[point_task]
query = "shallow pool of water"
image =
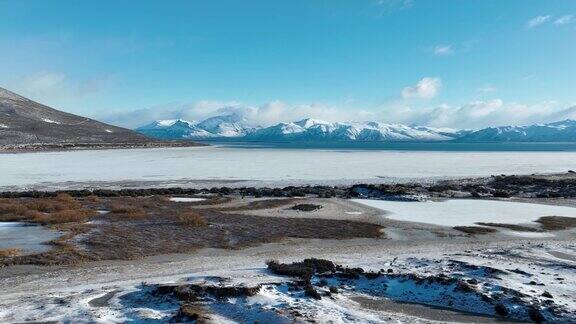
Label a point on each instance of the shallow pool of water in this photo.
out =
(28, 238)
(466, 212)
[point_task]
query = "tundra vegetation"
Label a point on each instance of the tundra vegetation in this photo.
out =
(105, 227)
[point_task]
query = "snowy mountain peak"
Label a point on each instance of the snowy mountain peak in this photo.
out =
(310, 122)
(560, 131)
(236, 126)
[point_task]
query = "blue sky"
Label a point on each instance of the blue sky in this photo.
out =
(443, 63)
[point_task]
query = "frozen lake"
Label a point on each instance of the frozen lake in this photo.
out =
(268, 164)
(466, 212)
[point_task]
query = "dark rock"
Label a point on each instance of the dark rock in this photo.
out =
(501, 310)
(535, 315)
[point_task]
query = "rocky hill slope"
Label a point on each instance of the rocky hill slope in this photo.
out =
(25, 125)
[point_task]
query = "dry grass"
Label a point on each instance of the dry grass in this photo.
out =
(512, 227)
(54, 205)
(64, 197)
(61, 209)
(64, 216)
(93, 199)
(10, 252)
(10, 207)
(556, 223)
(475, 229)
(191, 218)
(131, 212)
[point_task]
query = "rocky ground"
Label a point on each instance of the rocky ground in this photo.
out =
(549, 186)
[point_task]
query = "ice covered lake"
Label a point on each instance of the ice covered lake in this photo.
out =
(28, 238)
(466, 212)
(287, 165)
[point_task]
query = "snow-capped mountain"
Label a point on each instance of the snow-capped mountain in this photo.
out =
(214, 127)
(237, 127)
(234, 126)
(562, 131)
(313, 130)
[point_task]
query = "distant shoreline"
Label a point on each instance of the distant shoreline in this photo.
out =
(89, 146)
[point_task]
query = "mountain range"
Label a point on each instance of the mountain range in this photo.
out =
(236, 127)
(26, 124)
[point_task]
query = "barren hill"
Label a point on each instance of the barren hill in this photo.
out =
(25, 124)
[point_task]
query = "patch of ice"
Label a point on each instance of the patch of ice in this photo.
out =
(3, 126)
(528, 234)
(288, 166)
(466, 212)
(108, 131)
(186, 199)
(354, 213)
(50, 121)
(29, 238)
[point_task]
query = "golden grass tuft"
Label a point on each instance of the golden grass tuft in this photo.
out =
(192, 219)
(9, 252)
(93, 199)
(12, 207)
(54, 205)
(64, 216)
(64, 197)
(131, 212)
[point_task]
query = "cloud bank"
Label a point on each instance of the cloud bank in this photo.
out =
(537, 21)
(426, 88)
(473, 115)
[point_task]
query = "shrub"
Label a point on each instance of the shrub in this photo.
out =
(191, 218)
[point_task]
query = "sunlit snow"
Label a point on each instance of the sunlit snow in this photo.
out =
(466, 212)
(275, 165)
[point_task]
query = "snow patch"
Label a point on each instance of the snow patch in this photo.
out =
(186, 199)
(466, 212)
(50, 121)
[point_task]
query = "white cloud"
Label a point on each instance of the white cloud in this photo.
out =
(426, 88)
(488, 88)
(564, 20)
(264, 115)
(395, 4)
(473, 115)
(443, 50)
(50, 86)
(480, 114)
(537, 21)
